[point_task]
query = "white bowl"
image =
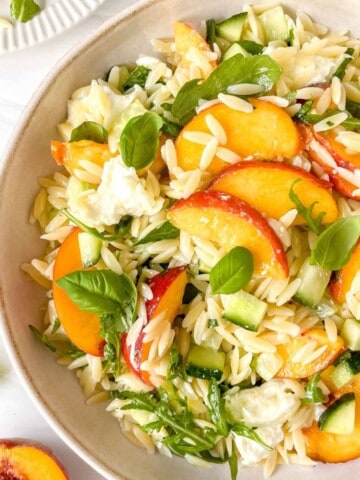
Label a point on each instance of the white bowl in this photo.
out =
(89, 430)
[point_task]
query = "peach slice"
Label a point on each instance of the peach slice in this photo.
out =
(188, 39)
(268, 132)
(24, 460)
(230, 222)
(82, 328)
(266, 185)
(300, 369)
(343, 278)
(331, 447)
(168, 290)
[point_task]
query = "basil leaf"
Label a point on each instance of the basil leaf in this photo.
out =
(170, 128)
(24, 10)
(248, 432)
(314, 223)
(340, 71)
(232, 272)
(89, 131)
(137, 77)
(139, 140)
(259, 69)
(335, 244)
(216, 409)
(165, 231)
(103, 292)
(313, 393)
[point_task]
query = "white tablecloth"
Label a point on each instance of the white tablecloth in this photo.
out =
(20, 74)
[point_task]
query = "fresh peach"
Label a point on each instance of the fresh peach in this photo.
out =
(331, 447)
(27, 460)
(230, 222)
(268, 132)
(168, 289)
(82, 328)
(299, 369)
(343, 278)
(266, 186)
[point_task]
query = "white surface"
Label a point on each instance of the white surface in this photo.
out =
(55, 17)
(20, 74)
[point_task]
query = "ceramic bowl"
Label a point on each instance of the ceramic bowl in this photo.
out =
(91, 432)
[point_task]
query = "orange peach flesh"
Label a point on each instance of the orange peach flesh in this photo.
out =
(344, 277)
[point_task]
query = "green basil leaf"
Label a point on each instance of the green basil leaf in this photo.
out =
(216, 409)
(335, 244)
(248, 432)
(259, 69)
(232, 272)
(313, 393)
(340, 71)
(165, 231)
(314, 223)
(137, 77)
(89, 131)
(170, 128)
(103, 292)
(139, 140)
(24, 10)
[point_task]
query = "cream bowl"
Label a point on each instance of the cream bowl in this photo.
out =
(89, 430)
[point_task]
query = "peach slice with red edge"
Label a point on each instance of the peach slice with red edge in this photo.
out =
(267, 132)
(188, 39)
(27, 460)
(341, 282)
(300, 369)
(331, 447)
(229, 222)
(266, 186)
(168, 290)
(82, 328)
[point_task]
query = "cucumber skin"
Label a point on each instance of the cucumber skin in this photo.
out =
(340, 403)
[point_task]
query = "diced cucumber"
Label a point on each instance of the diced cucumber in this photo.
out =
(90, 249)
(314, 280)
(251, 47)
(234, 49)
(245, 310)
(340, 416)
(275, 24)
(350, 333)
(345, 370)
(231, 28)
(205, 362)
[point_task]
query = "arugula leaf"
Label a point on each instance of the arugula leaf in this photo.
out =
(248, 432)
(56, 326)
(217, 409)
(72, 351)
(335, 244)
(313, 393)
(340, 71)
(89, 131)
(304, 116)
(314, 223)
(139, 140)
(105, 293)
(165, 231)
(176, 365)
(259, 69)
(353, 108)
(24, 10)
(232, 272)
(137, 77)
(234, 466)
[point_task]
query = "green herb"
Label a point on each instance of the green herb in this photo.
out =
(211, 32)
(137, 77)
(340, 71)
(259, 69)
(291, 37)
(314, 223)
(89, 131)
(42, 338)
(165, 231)
(304, 111)
(248, 432)
(121, 228)
(304, 115)
(335, 244)
(170, 128)
(212, 323)
(56, 326)
(24, 10)
(251, 47)
(216, 408)
(176, 365)
(232, 272)
(139, 140)
(72, 351)
(234, 466)
(353, 108)
(313, 393)
(290, 96)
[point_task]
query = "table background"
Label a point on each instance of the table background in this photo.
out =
(20, 74)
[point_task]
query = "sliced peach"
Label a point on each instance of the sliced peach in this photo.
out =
(343, 278)
(82, 328)
(230, 222)
(266, 186)
(268, 132)
(24, 460)
(326, 377)
(301, 369)
(168, 290)
(188, 39)
(331, 447)
(342, 156)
